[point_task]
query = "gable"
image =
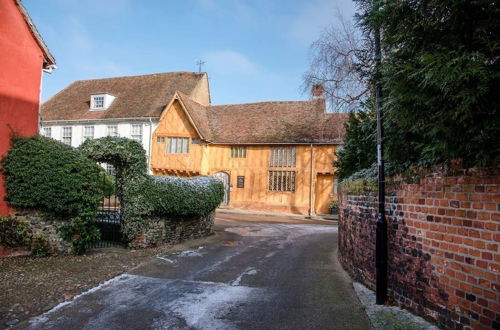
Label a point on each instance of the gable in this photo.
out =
(175, 122)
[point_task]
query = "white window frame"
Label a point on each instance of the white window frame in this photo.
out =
(66, 133)
(47, 131)
(112, 130)
(97, 102)
(87, 136)
(136, 134)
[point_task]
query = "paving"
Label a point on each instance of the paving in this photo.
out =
(255, 273)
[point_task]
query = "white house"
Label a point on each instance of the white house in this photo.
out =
(122, 106)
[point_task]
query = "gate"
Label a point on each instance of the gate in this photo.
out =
(109, 215)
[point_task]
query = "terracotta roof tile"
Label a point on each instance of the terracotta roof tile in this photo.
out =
(136, 96)
(268, 122)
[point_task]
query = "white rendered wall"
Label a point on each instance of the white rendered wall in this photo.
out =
(100, 130)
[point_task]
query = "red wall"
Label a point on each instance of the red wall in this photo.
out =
(444, 246)
(20, 75)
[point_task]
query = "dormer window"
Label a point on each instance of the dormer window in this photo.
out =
(101, 101)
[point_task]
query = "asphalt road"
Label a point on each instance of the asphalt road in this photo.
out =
(255, 273)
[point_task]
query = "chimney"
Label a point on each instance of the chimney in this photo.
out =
(317, 91)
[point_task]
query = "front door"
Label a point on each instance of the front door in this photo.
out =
(224, 177)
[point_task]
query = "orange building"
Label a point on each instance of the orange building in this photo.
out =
(273, 156)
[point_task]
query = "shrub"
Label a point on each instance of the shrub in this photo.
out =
(80, 232)
(14, 233)
(47, 175)
(40, 246)
(173, 196)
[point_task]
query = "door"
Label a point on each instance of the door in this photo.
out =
(224, 177)
(324, 193)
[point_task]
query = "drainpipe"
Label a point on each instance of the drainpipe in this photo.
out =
(311, 184)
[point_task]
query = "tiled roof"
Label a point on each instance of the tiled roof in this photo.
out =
(136, 96)
(267, 122)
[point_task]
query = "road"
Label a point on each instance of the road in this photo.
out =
(255, 273)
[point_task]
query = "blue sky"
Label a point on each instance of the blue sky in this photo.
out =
(255, 50)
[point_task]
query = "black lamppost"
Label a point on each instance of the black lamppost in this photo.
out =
(381, 232)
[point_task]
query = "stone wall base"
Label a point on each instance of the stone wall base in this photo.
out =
(174, 230)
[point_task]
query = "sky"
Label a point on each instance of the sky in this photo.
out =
(254, 50)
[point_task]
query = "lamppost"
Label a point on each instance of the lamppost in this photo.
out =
(381, 232)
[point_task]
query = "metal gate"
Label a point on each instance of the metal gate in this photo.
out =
(109, 215)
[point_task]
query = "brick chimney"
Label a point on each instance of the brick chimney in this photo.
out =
(318, 91)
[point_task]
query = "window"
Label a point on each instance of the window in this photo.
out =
(240, 182)
(97, 102)
(112, 130)
(160, 139)
(282, 157)
(66, 135)
(195, 141)
(110, 169)
(47, 131)
(238, 152)
(88, 132)
(282, 181)
(335, 186)
(136, 132)
(177, 145)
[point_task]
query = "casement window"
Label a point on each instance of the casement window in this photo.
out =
(112, 130)
(282, 181)
(88, 132)
(335, 186)
(238, 152)
(66, 135)
(177, 145)
(47, 131)
(97, 102)
(160, 139)
(283, 157)
(136, 132)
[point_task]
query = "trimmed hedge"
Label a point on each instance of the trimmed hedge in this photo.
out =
(184, 196)
(47, 175)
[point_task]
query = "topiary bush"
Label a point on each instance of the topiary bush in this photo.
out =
(143, 196)
(47, 175)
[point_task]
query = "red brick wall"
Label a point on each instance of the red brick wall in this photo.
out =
(444, 258)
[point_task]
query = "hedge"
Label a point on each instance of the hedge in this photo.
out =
(143, 196)
(47, 175)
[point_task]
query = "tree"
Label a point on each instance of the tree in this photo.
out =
(341, 61)
(441, 79)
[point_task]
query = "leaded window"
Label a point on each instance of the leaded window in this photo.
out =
(282, 181)
(283, 157)
(177, 145)
(238, 152)
(98, 102)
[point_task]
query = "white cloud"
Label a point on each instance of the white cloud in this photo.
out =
(230, 62)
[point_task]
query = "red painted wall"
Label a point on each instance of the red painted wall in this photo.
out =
(20, 75)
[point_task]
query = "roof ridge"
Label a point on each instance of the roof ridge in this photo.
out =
(141, 75)
(260, 102)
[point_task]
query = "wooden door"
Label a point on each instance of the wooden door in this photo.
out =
(224, 177)
(323, 193)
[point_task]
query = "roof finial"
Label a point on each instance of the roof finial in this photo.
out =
(200, 63)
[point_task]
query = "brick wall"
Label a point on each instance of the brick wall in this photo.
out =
(444, 258)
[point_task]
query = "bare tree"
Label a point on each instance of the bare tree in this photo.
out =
(340, 61)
